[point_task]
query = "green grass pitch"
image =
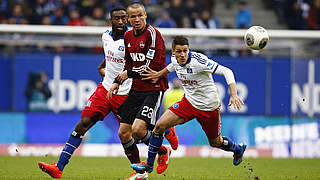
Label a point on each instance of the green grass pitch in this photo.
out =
(179, 169)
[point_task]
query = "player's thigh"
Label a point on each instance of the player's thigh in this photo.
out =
(97, 103)
(167, 120)
(115, 103)
(129, 109)
(86, 122)
(149, 109)
(210, 122)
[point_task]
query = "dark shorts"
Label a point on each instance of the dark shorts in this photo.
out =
(143, 105)
(98, 102)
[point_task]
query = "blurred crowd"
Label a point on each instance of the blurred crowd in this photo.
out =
(297, 14)
(161, 13)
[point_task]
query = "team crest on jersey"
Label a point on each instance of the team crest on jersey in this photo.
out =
(141, 44)
(151, 53)
(189, 70)
(175, 105)
(121, 48)
(129, 45)
(105, 44)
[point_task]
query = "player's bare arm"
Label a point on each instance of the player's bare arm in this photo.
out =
(235, 100)
(113, 90)
(153, 75)
(122, 76)
(101, 68)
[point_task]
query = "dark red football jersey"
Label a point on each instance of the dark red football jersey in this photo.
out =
(146, 49)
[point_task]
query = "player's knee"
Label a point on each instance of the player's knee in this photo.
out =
(82, 126)
(124, 135)
(85, 124)
(160, 127)
(216, 142)
(138, 132)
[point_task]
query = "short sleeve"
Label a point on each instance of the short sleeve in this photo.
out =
(204, 63)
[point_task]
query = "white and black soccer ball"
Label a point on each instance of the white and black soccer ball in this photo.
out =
(256, 37)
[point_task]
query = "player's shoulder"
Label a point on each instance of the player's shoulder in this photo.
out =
(128, 33)
(152, 31)
(152, 28)
(106, 35)
(201, 61)
(173, 59)
(199, 58)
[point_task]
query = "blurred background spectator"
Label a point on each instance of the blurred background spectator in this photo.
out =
(313, 19)
(294, 14)
(164, 21)
(37, 92)
(207, 20)
(244, 16)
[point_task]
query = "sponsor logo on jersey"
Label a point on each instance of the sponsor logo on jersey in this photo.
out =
(210, 65)
(151, 53)
(175, 105)
(189, 82)
(189, 70)
(121, 48)
(141, 44)
(137, 56)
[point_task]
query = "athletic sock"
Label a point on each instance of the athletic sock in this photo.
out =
(71, 145)
(154, 146)
(132, 152)
(146, 138)
(229, 145)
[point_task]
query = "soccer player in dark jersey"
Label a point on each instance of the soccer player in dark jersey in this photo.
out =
(144, 47)
(98, 105)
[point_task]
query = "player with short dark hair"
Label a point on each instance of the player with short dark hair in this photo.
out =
(98, 106)
(144, 48)
(201, 100)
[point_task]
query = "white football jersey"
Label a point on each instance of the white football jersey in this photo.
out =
(197, 81)
(114, 54)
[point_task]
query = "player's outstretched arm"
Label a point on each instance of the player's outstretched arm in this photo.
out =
(101, 68)
(152, 75)
(235, 100)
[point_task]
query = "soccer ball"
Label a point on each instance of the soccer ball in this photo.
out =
(256, 37)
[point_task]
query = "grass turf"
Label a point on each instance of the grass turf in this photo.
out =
(179, 168)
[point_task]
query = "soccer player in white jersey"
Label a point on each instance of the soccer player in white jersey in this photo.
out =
(98, 106)
(200, 101)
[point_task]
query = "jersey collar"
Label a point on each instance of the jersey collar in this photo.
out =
(122, 37)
